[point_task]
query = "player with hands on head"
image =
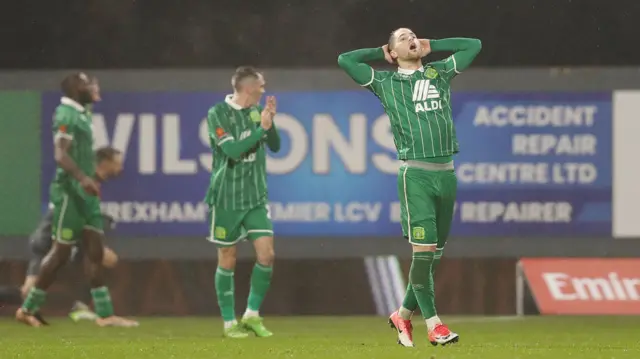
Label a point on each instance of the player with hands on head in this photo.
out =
(417, 99)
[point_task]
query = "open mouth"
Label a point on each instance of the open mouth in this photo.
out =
(413, 47)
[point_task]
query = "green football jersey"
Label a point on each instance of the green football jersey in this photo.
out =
(418, 102)
(72, 121)
(239, 170)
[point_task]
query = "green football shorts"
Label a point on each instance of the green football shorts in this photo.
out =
(427, 200)
(228, 227)
(72, 213)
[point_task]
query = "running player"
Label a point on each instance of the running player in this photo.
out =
(74, 194)
(237, 195)
(417, 99)
(108, 165)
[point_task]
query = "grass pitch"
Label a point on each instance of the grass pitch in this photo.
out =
(327, 337)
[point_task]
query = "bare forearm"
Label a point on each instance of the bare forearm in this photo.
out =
(68, 165)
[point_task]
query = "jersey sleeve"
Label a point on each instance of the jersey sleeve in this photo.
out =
(464, 51)
(219, 132)
(273, 139)
(64, 124)
(354, 64)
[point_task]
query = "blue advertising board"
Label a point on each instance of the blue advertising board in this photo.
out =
(531, 164)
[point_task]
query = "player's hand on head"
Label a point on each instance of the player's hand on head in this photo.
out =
(90, 186)
(425, 46)
(387, 54)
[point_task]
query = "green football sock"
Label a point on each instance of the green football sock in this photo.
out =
(35, 299)
(436, 261)
(225, 293)
(421, 280)
(260, 283)
(409, 303)
(102, 302)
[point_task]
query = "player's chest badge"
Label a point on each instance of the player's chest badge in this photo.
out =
(430, 73)
(255, 116)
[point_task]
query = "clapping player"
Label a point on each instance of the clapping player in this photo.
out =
(239, 130)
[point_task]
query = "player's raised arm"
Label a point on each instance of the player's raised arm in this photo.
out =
(273, 137)
(61, 146)
(231, 147)
(354, 64)
(464, 51)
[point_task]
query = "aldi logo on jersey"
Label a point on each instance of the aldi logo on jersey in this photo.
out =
(426, 96)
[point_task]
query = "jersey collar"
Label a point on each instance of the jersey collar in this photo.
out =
(70, 102)
(229, 100)
(409, 72)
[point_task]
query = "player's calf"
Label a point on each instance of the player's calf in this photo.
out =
(57, 257)
(260, 283)
(92, 240)
(36, 297)
(225, 291)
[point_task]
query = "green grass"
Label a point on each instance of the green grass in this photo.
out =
(327, 337)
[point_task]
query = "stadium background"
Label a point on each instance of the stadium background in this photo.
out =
(161, 67)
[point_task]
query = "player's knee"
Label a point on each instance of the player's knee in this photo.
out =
(266, 256)
(425, 248)
(227, 258)
(109, 258)
(58, 255)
